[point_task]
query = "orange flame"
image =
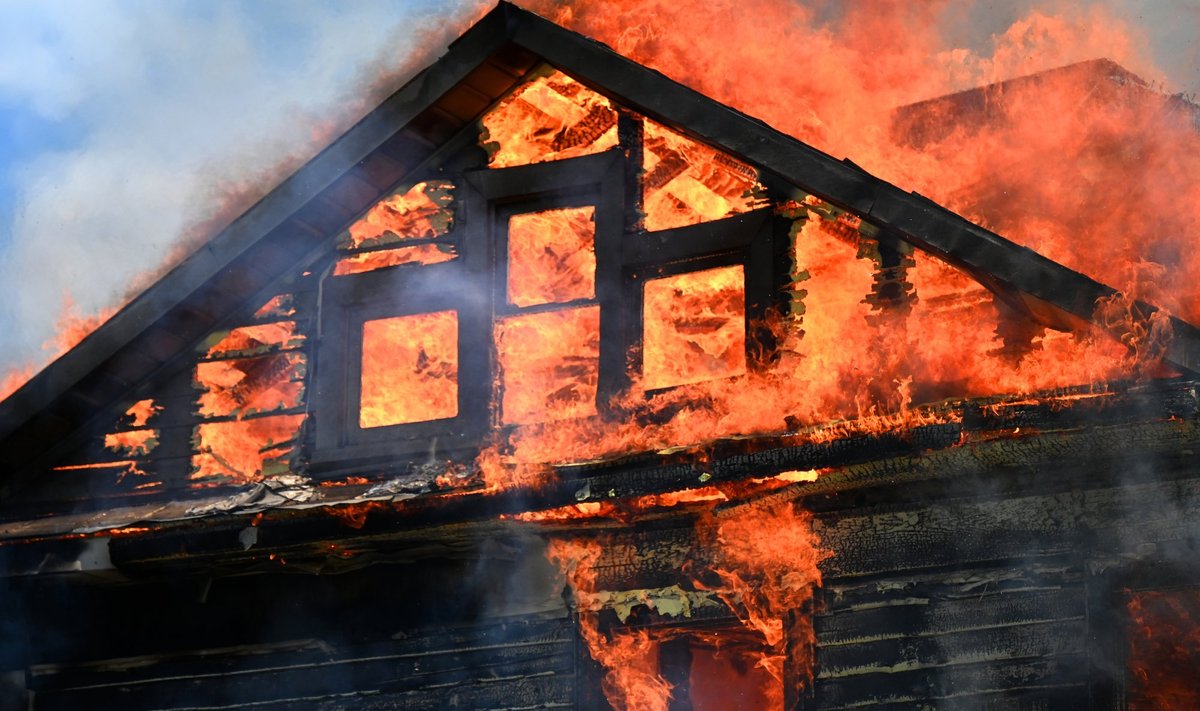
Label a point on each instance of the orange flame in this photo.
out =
(551, 117)
(764, 579)
(409, 369)
(551, 256)
(420, 213)
(549, 364)
(370, 261)
(694, 327)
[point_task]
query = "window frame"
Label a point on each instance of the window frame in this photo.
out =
(483, 201)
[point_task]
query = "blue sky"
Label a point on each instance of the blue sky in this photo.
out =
(121, 120)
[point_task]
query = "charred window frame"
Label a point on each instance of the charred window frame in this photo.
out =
(407, 290)
(472, 286)
(757, 241)
(492, 197)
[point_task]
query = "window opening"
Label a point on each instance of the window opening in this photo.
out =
(549, 118)
(552, 256)
(549, 364)
(694, 327)
(686, 182)
(409, 369)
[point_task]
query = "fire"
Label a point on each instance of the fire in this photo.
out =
(686, 182)
(548, 364)
(422, 212)
(763, 579)
(243, 451)
(1163, 646)
(409, 369)
(381, 259)
(551, 117)
(242, 386)
(630, 660)
(255, 339)
(551, 256)
(694, 327)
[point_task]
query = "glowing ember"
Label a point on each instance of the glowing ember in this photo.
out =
(370, 261)
(1164, 650)
(548, 364)
(252, 340)
(687, 182)
(694, 327)
(551, 256)
(423, 212)
(409, 369)
(243, 386)
(243, 451)
(729, 677)
(549, 118)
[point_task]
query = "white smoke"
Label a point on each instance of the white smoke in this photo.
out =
(172, 102)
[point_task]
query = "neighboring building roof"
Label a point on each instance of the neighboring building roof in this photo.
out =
(239, 267)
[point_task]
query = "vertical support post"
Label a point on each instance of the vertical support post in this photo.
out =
(767, 278)
(631, 134)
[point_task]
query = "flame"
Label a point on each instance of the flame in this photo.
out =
(551, 256)
(132, 443)
(243, 451)
(409, 369)
(549, 364)
(763, 579)
(279, 306)
(422, 212)
(242, 386)
(549, 118)
(694, 327)
(370, 261)
(630, 660)
(686, 182)
(255, 339)
(1163, 645)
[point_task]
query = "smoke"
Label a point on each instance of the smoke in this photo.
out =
(129, 123)
(139, 120)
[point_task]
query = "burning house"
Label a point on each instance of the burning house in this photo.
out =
(555, 384)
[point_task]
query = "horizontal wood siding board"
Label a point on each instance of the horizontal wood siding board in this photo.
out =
(913, 616)
(964, 582)
(427, 672)
(966, 686)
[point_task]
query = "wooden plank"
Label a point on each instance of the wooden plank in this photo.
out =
(1013, 684)
(915, 616)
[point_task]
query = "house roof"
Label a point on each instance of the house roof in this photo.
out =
(244, 264)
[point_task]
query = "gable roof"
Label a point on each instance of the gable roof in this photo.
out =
(240, 267)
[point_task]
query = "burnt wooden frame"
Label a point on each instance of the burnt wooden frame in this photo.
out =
(473, 285)
(596, 180)
(405, 290)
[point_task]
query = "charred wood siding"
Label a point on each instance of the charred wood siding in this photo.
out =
(523, 664)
